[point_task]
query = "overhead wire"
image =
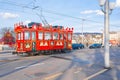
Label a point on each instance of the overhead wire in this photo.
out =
(49, 11)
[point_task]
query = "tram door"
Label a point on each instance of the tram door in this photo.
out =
(65, 41)
(33, 41)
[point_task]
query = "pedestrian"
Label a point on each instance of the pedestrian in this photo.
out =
(87, 44)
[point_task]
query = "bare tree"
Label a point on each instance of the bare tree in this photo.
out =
(7, 36)
(3, 30)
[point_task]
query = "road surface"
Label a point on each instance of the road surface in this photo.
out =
(83, 64)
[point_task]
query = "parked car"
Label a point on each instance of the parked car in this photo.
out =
(95, 45)
(77, 46)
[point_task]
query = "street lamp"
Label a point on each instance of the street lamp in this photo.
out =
(106, 8)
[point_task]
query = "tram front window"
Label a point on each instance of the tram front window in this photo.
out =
(18, 36)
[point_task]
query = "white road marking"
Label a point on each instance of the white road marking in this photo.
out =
(29, 66)
(78, 71)
(37, 64)
(53, 76)
(98, 73)
(20, 67)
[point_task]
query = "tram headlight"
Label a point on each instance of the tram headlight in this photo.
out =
(69, 45)
(21, 46)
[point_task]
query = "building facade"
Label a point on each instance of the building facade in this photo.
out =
(90, 38)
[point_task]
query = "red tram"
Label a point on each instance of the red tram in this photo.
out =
(38, 39)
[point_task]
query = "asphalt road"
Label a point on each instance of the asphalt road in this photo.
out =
(76, 65)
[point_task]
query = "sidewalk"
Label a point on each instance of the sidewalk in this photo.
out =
(6, 51)
(7, 56)
(97, 71)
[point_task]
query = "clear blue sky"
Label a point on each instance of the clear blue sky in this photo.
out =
(67, 13)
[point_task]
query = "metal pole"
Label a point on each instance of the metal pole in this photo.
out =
(103, 42)
(106, 35)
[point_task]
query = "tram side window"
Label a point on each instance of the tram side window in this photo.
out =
(69, 36)
(55, 36)
(47, 36)
(27, 35)
(61, 36)
(40, 35)
(33, 36)
(65, 36)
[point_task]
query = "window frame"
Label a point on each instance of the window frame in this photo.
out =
(40, 36)
(69, 36)
(33, 38)
(27, 37)
(49, 37)
(55, 37)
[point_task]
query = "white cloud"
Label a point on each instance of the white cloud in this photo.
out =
(97, 12)
(8, 15)
(87, 12)
(117, 3)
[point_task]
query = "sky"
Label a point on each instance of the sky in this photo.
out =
(82, 15)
